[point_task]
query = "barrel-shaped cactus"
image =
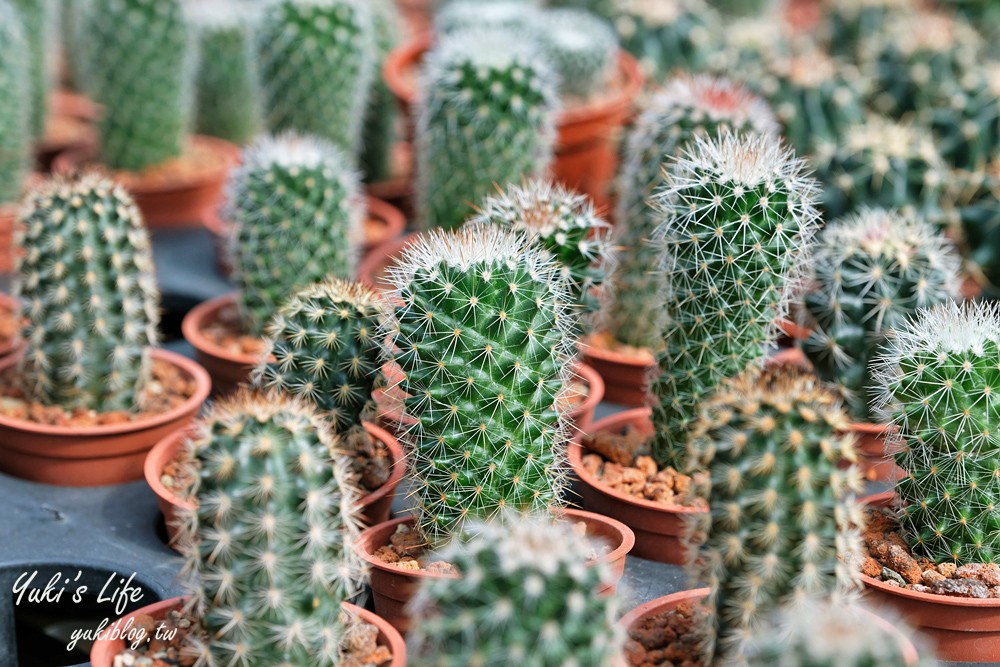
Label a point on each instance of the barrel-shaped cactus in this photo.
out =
(38, 20)
(936, 383)
(737, 214)
(317, 61)
(84, 272)
(782, 509)
(871, 272)
(732, 8)
(297, 213)
(143, 75)
(848, 25)
(486, 117)
(379, 133)
(15, 104)
(687, 107)
(269, 547)
(582, 48)
(482, 333)
(527, 597)
(666, 35)
(965, 117)
(973, 204)
(495, 15)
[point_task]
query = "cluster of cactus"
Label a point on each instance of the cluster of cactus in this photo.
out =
(379, 132)
(297, 217)
(687, 107)
(502, 15)
(965, 118)
(15, 133)
(851, 24)
(483, 335)
(487, 116)
(317, 62)
(936, 383)
(872, 271)
(268, 550)
(781, 508)
(526, 597)
(144, 76)
(582, 48)
(974, 203)
(737, 214)
(38, 20)
(84, 272)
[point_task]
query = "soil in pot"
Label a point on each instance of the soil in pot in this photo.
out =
(216, 331)
(10, 326)
(670, 638)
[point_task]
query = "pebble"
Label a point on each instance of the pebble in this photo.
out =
(965, 588)
(892, 575)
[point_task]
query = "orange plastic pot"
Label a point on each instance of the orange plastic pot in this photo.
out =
(627, 378)
(228, 369)
(8, 347)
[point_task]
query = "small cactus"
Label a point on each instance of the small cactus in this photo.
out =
(850, 24)
(298, 218)
(782, 510)
(666, 34)
(736, 8)
(269, 548)
(84, 272)
(872, 271)
(527, 597)
(965, 117)
(38, 19)
(737, 216)
(487, 116)
(317, 61)
(973, 204)
(936, 382)
(379, 132)
(482, 333)
(582, 48)
(15, 105)
(462, 15)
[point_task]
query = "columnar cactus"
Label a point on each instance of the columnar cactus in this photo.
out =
(38, 19)
(737, 213)
(500, 15)
(379, 132)
(487, 116)
(872, 272)
(85, 275)
(298, 218)
(15, 105)
(526, 597)
(582, 48)
(666, 34)
(326, 349)
(687, 107)
(935, 383)
(269, 547)
(228, 93)
(782, 509)
(317, 61)
(144, 76)
(482, 335)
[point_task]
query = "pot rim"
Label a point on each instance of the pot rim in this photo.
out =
(626, 534)
(610, 356)
(370, 263)
(198, 316)
(657, 604)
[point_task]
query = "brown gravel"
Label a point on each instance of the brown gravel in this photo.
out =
(606, 341)
(669, 639)
(9, 326)
(228, 332)
(195, 163)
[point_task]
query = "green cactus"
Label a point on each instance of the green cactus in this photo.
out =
(487, 117)
(38, 19)
(935, 384)
(460, 15)
(298, 218)
(144, 76)
(84, 271)
(965, 117)
(741, 7)
(753, 44)
(527, 598)
(582, 48)
(228, 93)
(269, 548)
(317, 61)
(850, 25)
(872, 271)
(782, 509)
(482, 332)
(326, 349)
(974, 209)
(667, 35)
(15, 119)
(379, 133)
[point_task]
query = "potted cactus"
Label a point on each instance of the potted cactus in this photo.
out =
(15, 124)
(378, 158)
(90, 395)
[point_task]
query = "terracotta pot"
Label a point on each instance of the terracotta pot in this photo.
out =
(75, 105)
(95, 455)
(8, 347)
(586, 157)
(65, 134)
(960, 629)
(417, 15)
(792, 332)
(658, 529)
(398, 188)
(627, 378)
(104, 651)
(177, 204)
(393, 587)
(228, 369)
(372, 269)
(8, 217)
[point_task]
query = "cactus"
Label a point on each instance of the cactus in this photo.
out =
(482, 334)
(38, 19)
(85, 274)
(782, 509)
(582, 48)
(666, 35)
(737, 213)
(462, 15)
(527, 597)
(566, 225)
(850, 24)
(298, 217)
(872, 271)
(687, 107)
(268, 550)
(935, 384)
(738, 8)
(965, 117)
(228, 93)
(15, 120)
(379, 133)
(317, 61)
(974, 209)
(326, 349)
(487, 116)
(144, 76)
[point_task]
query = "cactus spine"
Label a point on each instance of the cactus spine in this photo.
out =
(298, 218)
(526, 597)
(15, 121)
(582, 48)
(269, 548)
(482, 335)
(317, 62)
(487, 116)
(936, 383)
(872, 272)
(379, 132)
(85, 274)
(38, 18)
